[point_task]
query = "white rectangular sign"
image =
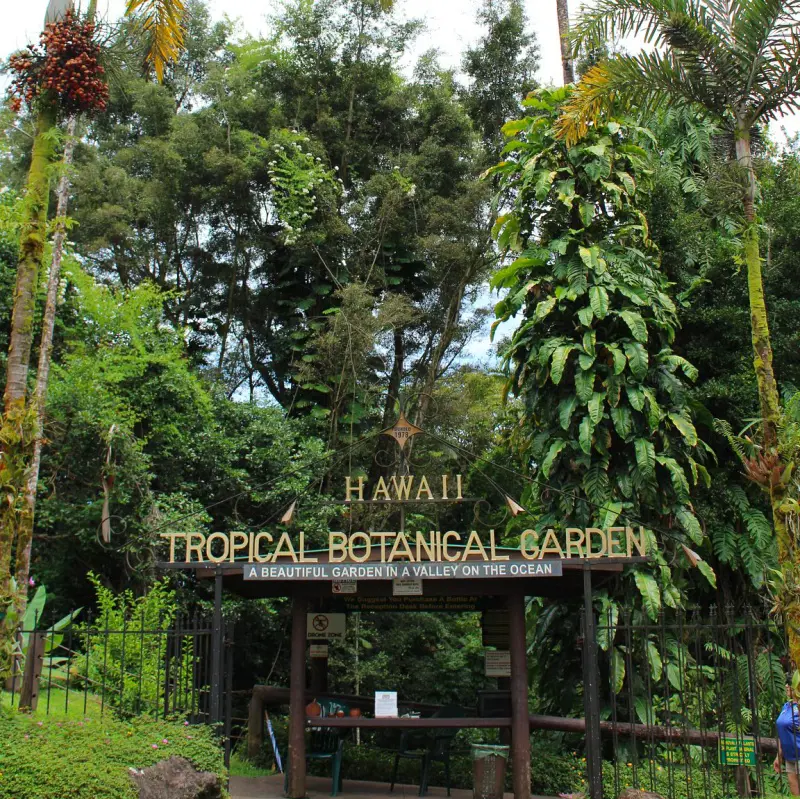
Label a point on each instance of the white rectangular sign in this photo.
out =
(497, 663)
(344, 586)
(325, 626)
(386, 704)
(410, 586)
(318, 650)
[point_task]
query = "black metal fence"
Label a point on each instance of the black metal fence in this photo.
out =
(162, 667)
(686, 705)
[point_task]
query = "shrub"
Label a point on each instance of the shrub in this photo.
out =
(49, 759)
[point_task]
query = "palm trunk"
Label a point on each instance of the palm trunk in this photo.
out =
(562, 10)
(768, 395)
(25, 535)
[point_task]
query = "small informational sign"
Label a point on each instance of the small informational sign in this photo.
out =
(325, 626)
(411, 586)
(386, 704)
(415, 604)
(344, 586)
(497, 663)
(737, 751)
(318, 650)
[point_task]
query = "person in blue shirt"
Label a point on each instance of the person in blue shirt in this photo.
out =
(788, 724)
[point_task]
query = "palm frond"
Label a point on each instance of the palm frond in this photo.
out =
(612, 19)
(163, 22)
(651, 81)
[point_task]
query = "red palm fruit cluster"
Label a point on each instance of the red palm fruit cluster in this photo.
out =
(64, 67)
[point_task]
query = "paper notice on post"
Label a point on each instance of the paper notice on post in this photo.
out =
(386, 704)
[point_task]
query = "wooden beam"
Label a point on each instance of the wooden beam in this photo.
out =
(520, 724)
(350, 722)
(297, 698)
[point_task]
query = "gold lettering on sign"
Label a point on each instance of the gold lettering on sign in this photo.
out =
(614, 543)
(402, 431)
(348, 489)
(551, 545)
(639, 543)
(493, 548)
(285, 549)
(239, 541)
(337, 547)
(445, 538)
(197, 548)
(474, 542)
(459, 494)
(529, 544)
(381, 490)
(257, 547)
(444, 487)
(303, 557)
(402, 489)
(594, 532)
(382, 538)
(399, 541)
(423, 486)
(367, 546)
(209, 543)
(430, 546)
(575, 539)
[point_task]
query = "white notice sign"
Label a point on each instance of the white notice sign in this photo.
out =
(344, 586)
(410, 586)
(497, 664)
(386, 704)
(325, 626)
(318, 650)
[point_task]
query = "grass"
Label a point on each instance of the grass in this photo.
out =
(243, 768)
(64, 705)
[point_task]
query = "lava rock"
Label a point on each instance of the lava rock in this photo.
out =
(176, 778)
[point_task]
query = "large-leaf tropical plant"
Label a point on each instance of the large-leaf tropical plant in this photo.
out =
(738, 63)
(605, 424)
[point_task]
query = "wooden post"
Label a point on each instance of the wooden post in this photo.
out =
(591, 691)
(520, 725)
(297, 702)
(29, 694)
(255, 726)
(216, 651)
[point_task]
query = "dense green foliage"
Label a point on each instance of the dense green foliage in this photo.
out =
(53, 759)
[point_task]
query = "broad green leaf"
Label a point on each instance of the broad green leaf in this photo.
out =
(598, 299)
(636, 325)
(708, 573)
(607, 617)
(627, 181)
(585, 435)
(596, 484)
(678, 477)
(560, 357)
(585, 315)
(611, 512)
(552, 454)
(617, 670)
(645, 457)
(654, 659)
(544, 308)
(651, 595)
(589, 338)
(576, 274)
(587, 213)
(565, 410)
(685, 427)
(620, 361)
(690, 524)
(635, 397)
(33, 613)
(586, 361)
(513, 127)
(596, 407)
(637, 358)
(584, 385)
(623, 421)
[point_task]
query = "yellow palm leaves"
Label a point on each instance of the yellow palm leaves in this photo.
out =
(590, 99)
(163, 22)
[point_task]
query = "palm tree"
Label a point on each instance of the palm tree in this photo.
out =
(736, 62)
(562, 11)
(161, 25)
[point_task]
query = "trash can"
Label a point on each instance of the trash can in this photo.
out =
(488, 771)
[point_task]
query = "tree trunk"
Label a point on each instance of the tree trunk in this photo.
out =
(17, 427)
(768, 395)
(562, 10)
(31, 250)
(25, 535)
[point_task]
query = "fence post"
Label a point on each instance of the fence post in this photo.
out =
(228, 691)
(591, 691)
(29, 693)
(216, 651)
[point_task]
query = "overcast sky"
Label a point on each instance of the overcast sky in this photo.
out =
(451, 27)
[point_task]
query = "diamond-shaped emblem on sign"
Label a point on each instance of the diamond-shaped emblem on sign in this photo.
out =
(402, 431)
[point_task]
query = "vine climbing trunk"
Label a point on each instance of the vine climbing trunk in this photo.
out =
(25, 535)
(769, 398)
(17, 433)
